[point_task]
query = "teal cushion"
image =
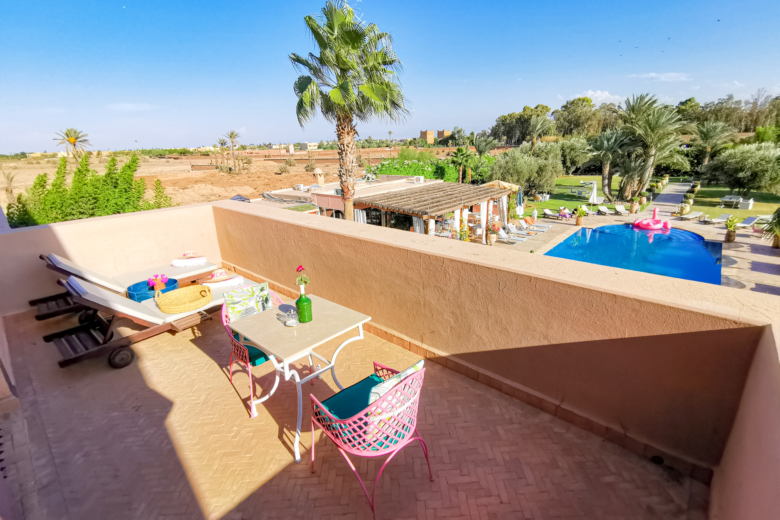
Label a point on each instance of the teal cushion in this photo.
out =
(256, 356)
(353, 399)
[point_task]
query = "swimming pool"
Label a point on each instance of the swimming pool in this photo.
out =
(675, 253)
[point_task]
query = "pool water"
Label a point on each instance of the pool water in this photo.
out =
(675, 253)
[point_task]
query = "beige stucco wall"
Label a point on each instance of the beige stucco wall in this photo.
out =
(110, 245)
(746, 486)
(622, 348)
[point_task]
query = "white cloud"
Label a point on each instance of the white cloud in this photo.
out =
(131, 107)
(737, 84)
(601, 96)
(663, 76)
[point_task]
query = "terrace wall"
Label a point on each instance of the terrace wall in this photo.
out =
(745, 486)
(619, 349)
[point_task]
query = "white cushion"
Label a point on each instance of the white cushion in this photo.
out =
(86, 274)
(385, 386)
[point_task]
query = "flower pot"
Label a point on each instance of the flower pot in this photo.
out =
(579, 221)
(776, 243)
(642, 200)
(492, 239)
(537, 198)
(731, 235)
(634, 207)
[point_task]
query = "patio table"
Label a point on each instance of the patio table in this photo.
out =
(286, 345)
(730, 199)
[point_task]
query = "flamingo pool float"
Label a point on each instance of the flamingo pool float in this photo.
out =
(652, 223)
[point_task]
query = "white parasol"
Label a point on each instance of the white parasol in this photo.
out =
(593, 199)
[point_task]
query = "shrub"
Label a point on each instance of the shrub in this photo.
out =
(284, 168)
(643, 194)
(309, 167)
(688, 196)
(289, 162)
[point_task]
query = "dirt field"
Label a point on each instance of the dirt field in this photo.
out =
(184, 186)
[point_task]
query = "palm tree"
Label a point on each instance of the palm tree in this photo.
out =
(233, 138)
(711, 136)
(657, 129)
(631, 169)
(607, 147)
(390, 137)
(73, 140)
(484, 144)
(537, 127)
(354, 77)
(462, 159)
(222, 143)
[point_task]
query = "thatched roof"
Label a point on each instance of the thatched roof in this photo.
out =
(433, 200)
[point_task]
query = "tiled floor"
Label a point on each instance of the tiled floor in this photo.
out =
(748, 263)
(169, 437)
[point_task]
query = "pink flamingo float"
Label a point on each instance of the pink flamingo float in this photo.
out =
(653, 225)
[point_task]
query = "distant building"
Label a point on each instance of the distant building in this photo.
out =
(309, 146)
(276, 146)
(427, 135)
(441, 134)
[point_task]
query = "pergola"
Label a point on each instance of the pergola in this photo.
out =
(438, 199)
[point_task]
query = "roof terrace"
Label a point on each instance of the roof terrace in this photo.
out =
(553, 388)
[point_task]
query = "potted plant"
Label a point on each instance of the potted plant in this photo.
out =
(772, 229)
(580, 214)
(492, 232)
(689, 198)
(634, 205)
(731, 229)
(537, 197)
(643, 198)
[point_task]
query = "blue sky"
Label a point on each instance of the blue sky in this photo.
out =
(146, 74)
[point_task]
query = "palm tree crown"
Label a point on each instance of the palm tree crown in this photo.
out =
(354, 77)
(462, 159)
(712, 135)
(74, 141)
(537, 127)
(483, 144)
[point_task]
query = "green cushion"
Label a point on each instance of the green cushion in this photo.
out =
(353, 399)
(256, 356)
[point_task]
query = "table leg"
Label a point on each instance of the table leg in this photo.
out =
(298, 427)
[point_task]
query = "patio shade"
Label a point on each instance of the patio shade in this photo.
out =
(434, 200)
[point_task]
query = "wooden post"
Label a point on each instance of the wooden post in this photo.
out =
(482, 220)
(456, 216)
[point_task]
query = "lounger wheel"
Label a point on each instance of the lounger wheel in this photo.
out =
(121, 357)
(85, 317)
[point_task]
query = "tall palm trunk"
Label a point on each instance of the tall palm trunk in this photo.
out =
(345, 133)
(468, 172)
(606, 181)
(644, 180)
(232, 154)
(533, 143)
(460, 174)
(706, 156)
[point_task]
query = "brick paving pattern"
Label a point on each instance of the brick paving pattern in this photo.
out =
(170, 438)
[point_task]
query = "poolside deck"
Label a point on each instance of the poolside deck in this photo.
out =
(748, 263)
(170, 437)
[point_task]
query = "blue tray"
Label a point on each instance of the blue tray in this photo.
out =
(140, 291)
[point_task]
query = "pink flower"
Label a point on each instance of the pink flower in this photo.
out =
(300, 268)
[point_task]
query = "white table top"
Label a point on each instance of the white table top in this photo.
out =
(731, 197)
(292, 343)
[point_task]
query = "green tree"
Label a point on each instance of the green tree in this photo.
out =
(462, 158)
(534, 170)
(631, 168)
(606, 148)
(689, 110)
(34, 199)
(74, 141)
(574, 153)
(539, 126)
(354, 77)
(232, 136)
(747, 168)
(711, 136)
(657, 129)
(576, 117)
(81, 196)
(54, 202)
(484, 144)
(160, 198)
(514, 128)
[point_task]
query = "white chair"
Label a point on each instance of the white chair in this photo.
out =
(603, 210)
(720, 220)
(587, 211)
(621, 210)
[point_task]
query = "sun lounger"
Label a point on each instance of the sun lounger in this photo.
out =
(692, 215)
(587, 211)
(513, 231)
(621, 210)
(535, 228)
(549, 214)
(750, 221)
(603, 210)
(720, 220)
(60, 304)
(505, 238)
(115, 322)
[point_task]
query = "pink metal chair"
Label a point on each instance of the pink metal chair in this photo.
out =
(384, 427)
(248, 355)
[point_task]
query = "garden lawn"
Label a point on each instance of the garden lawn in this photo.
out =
(563, 196)
(708, 202)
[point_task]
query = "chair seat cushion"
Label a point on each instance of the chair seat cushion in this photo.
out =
(256, 356)
(353, 399)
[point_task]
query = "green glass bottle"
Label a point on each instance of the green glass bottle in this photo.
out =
(304, 307)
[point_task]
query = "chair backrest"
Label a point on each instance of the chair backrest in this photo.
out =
(620, 207)
(548, 212)
(604, 209)
(502, 234)
(86, 274)
(724, 216)
(748, 221)
(384, 426)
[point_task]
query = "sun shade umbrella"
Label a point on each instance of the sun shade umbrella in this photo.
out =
(593, 197)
